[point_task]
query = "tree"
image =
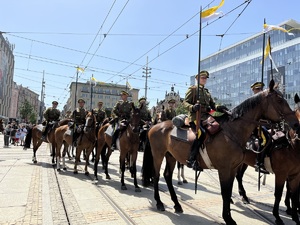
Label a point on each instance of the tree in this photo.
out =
(32, 118)
(26, 110)
(181, 109)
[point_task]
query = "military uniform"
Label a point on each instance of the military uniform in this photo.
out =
(206, 101)
(79, 115)
(122, 110)
(51, 114)
(100, 115)
(145, 114)
(170, 114)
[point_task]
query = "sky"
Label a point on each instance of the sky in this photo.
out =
(113, 38)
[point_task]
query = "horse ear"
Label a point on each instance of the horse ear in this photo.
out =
(132, 105)
(271, 85)
(163, 107)
(296, 98)
(142, 105)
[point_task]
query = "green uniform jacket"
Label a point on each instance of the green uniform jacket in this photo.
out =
(79, 116)
(123, 110)
(145, 114)
(100, 115)
(206, 102)
(51, 114)
(170, 114)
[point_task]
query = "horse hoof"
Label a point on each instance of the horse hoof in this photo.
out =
(35, 161)
(65, 169)
(279, 222)
(137, 189)
(87, 173)
(96, 178)
(245, 200)
(107, 177)
(103, 168)
(231, 201)
(178, 209)
(185, 181)
(179, 183)
(58, 169)
(75, 172)
(123, 188)
(160, 207)
(92, 160)
(70, 158)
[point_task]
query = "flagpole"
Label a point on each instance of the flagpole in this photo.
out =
(198, 113)
(91, 107)
(263, 54)
(270, 53)
(75, 98)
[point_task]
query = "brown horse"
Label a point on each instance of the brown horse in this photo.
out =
(129, 143)
(50, 138)
(225, 149)
(86, 140)
(288, 171)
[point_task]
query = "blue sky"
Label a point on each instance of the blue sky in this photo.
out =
(56, 36)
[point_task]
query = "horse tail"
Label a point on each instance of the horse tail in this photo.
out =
(148, 167)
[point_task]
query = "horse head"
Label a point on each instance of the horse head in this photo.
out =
(90, 122)
(135, 118)
(276, 108)
(297, 106)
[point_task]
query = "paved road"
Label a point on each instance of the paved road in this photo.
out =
(38, 194)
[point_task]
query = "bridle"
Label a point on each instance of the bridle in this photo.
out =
(88, 127)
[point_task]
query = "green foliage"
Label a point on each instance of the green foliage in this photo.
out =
(26, 110)
(180, 109)
(33, 118)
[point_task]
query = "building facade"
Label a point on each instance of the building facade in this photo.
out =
(234, 69)
(14, 101)
(108, 93)
(6, 76)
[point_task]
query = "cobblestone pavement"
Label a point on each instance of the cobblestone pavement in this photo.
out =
(38, 194)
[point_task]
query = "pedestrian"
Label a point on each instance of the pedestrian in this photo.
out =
(7, 132)
(28, 138)
(23, 134)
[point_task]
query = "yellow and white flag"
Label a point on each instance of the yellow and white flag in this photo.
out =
(268, 54)
(211, 12)
(267, 28)
(93, 80)
(80, 69)
(128, 85)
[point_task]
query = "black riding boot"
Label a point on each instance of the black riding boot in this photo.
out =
(260, 163)
(74, 137)
(114, 139)
(44, 134)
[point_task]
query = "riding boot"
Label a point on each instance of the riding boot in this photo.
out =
(44, 134)
(74, 138)
(260, 166)
(114, 140)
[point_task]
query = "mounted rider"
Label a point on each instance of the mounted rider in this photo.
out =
(99, 114)
(51, 116)
(146, 120)
(78, 115)
(170, 111)
(260, 135)
(121, 111)
(205, 105)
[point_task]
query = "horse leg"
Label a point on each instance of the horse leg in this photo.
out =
(105, 162)
(103, 157)
(226, 176)
(182, 174)
(68, 153)
(35, 148)
(97, 158)
(239, 177)
(168, 174)
(77, 159)
(93, 154)
(287, 199)
(66, 148)
(279, 184)
(88, 152)
(53, 153)
(133, 171)
(122, 168)
(294, 190)
(179, 182)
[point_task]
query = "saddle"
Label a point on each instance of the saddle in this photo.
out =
(211, 125)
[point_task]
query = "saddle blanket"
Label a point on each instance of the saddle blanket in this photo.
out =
(185, 135)
(268, 165)
(110, 130)
(40, 127)
(205, 157)
(68, 132)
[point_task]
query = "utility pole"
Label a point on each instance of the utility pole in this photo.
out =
(42, 97)
(146, 72)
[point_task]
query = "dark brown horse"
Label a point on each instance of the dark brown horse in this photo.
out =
(86, 140)
(285, 161)
(128, 144)
(225, 149)
(50, 138)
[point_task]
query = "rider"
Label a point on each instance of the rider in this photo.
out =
(145, 120)
(170, 111)
(256, 88)
(51, 115)
(205, 104)
(122, 112)
(99, 113)
(78, 115)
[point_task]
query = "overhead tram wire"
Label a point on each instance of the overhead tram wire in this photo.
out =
(225, 33)
(178, 43)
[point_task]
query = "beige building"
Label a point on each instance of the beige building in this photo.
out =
(14, 101)
(6, 76)
(168, 96)
(108, 93)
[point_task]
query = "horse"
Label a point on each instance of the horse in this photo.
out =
(128, 142)
(86, 140)
(225, 148)
(1, 126)
(50, 138)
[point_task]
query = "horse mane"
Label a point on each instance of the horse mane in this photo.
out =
(246, 105)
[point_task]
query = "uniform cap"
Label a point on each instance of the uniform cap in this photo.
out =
(100, 103)
(257, 85)
(142, 98)
(55, 102)
(80, 100)
(124, 93)
(171, 101)
(203, 73)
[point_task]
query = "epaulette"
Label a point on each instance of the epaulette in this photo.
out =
(206, 90)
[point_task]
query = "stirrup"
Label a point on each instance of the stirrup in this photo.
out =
(261, 169)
